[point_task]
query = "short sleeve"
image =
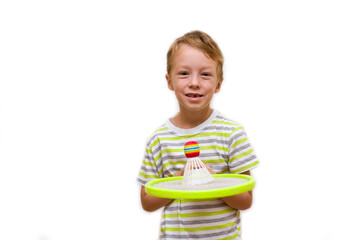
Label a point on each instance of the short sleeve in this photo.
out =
(241, 154)
(148, 170)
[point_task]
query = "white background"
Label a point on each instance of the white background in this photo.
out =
(82, 82)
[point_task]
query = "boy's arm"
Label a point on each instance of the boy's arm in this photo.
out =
(241, 201)
(151, 203)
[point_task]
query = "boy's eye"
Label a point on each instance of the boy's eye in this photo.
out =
(206, 74)
(183, 73)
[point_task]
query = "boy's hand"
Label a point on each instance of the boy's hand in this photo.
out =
(210, 169)
(180, 173)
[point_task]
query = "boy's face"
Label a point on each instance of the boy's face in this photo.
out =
(193, 79)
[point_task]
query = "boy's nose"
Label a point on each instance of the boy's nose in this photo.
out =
(194, 81)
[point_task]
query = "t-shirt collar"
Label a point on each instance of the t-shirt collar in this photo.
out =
(194, 130)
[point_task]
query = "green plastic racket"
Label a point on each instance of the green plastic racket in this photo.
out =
(223, 185)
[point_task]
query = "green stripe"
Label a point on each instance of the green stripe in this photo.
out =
(194, 200)
(243, 169)
(198, 214)
(231, 237)
(148, 176)
(195, 135)
(162, 129)
(199, 229)
(238, 142)
(170, 150)
(225, 171)
(154, 143)
(152, 164)
(223, 122)
(203, 148)
(168, 163)
(213, 147)
(237, 129)
(241, 155)
(157, 157)
(214, 161)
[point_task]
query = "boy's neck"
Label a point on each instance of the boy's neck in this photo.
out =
(187, 120)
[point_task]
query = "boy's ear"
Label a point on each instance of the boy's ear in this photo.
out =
(170, 86)
(218, 86)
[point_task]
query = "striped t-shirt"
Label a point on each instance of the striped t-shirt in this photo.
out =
(225, 148)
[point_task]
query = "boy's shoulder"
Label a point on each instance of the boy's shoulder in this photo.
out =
(221, 119)
(226, 122)
(159, 131)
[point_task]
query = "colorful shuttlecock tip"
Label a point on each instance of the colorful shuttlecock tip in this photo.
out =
(191, 149)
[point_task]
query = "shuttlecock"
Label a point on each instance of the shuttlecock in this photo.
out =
(195, 170)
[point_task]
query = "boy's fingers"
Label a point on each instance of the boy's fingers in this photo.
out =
(210, 169)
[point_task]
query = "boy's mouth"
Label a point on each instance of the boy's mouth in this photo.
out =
(194, 95)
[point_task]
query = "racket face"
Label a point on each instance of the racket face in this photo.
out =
(223, 185)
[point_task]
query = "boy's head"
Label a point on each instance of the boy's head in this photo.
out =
(201, 41)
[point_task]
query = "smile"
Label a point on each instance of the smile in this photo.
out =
(194, 95)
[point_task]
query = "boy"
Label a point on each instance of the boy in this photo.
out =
(194, 73)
